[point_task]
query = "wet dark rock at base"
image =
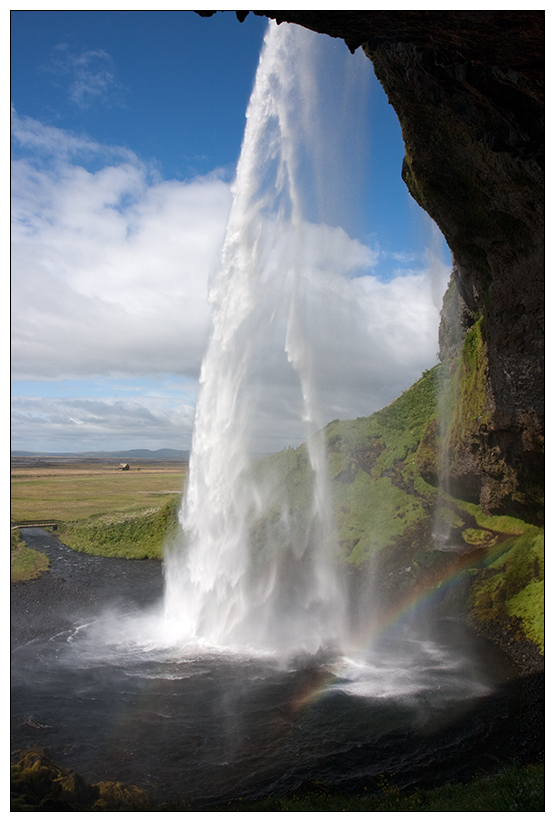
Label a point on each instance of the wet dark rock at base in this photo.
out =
(524, 654)
(40, 784)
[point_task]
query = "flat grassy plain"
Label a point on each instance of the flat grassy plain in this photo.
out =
(78, 490)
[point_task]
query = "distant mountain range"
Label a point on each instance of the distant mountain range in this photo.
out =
(133, 454)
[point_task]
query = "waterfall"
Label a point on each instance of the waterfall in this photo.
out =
(245, 571)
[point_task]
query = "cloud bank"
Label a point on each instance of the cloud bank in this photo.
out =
(111, 268)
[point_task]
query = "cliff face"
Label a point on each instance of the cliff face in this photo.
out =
(474, 160)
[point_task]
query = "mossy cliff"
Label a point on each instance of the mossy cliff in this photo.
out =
(471, 454)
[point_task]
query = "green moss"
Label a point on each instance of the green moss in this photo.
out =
(528, 606)
(371, 515)
(478, 537)
(385, 496)
(511, 585)
(503, 524)
(376, 490)
(463, 406)
(135, 534)
(470, 407)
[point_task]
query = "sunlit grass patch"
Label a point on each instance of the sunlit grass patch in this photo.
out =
(25, 563)
(512, 584)
(134, 534)
(69, 498)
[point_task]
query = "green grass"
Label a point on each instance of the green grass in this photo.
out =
(25, 563)
(104, 511)
(138, 533)
(511, 585)
(71, 496)
(377, 490)
(372, 465)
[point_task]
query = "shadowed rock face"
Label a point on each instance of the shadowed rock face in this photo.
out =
(473, 136)
(468, 88)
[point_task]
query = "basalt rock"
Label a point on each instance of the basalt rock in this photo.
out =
(468, 88)
(40, 784)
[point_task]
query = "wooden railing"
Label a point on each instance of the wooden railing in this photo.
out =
(37, 523)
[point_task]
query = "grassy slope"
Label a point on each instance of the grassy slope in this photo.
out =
(387, 513)
(138, 533)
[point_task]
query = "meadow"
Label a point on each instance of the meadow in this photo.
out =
(74, 491)
(102, 510)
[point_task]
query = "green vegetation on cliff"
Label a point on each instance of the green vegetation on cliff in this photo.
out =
(377, 490)
(391, 510)
(509, 587)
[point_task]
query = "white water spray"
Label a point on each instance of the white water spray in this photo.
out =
(248, 573)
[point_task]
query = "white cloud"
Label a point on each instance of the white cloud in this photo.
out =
(110, 268)
(100, 424)
(313, 340)
(110, 273)
(58, 144)
(90, 75)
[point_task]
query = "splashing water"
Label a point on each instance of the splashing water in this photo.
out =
(248, 573)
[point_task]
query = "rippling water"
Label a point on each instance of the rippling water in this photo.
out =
(95, 682)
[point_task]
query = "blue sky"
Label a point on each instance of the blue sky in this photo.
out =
(127, 128)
